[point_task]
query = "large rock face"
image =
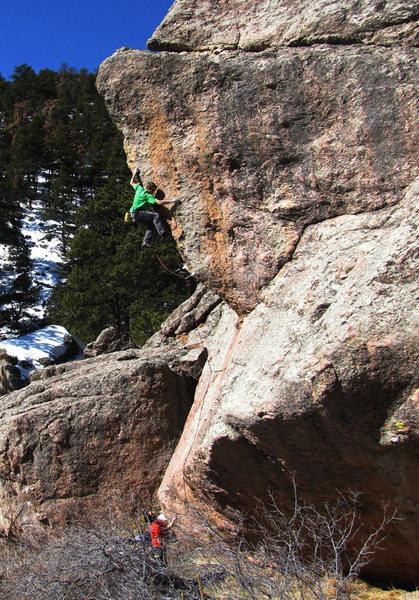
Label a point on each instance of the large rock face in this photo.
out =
(260, 146)
(90, 430)
(289, 131)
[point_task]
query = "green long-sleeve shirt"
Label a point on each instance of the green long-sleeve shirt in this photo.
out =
(141, 199)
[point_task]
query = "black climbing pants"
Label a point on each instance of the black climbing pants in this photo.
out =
(151, 221)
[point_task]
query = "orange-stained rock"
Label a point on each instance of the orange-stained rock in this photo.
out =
(258, 146)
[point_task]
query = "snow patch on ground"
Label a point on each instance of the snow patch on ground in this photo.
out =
(46, 343)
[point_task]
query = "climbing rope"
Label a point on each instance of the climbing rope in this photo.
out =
(167, 268)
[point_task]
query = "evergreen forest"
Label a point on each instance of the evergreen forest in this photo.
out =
(61, 153)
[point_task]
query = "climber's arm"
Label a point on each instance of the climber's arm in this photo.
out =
(134, 176)
(167, 201)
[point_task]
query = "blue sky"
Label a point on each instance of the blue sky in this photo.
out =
(82, 33)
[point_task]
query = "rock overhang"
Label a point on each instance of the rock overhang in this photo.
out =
(258, 148)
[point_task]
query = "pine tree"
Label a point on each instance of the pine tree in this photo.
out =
(27, 157)
(112, 280)
(9, 205)
(84, 149)
(22, 294)
(60, 152)
(23, 84)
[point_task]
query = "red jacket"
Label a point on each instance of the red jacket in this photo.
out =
(157, 532)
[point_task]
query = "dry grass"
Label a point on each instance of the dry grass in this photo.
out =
(228, 588)
(359, 590)
(363, 591)
(99, 559)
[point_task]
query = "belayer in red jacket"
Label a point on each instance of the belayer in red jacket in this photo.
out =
(158, 532)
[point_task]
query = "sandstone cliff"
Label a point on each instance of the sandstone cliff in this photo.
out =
(289, 130)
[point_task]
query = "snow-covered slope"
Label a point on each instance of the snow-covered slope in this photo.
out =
(46, 260)
(44, 253)
(46, 343)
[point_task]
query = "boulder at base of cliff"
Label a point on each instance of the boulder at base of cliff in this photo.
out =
(319, 382)
(109, 340)
(88, 431)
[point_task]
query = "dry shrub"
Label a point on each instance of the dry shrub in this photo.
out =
(307, 555)
(310, 554)
(89, 559)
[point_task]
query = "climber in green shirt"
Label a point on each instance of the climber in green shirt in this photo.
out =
(140, 210)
